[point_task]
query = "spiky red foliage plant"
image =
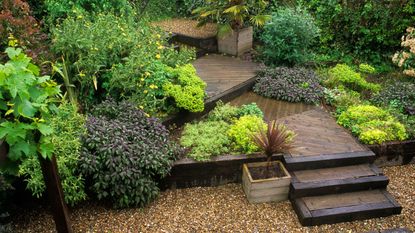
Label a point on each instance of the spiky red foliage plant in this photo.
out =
(274, 139)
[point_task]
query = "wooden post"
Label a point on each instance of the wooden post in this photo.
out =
(55, 195)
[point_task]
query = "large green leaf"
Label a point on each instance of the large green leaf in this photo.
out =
(26, 109)
(12, 132)
(22, 147)
(44, 129)
(46, 149)
(13, 52)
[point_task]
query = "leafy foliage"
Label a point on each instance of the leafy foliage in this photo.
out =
(288, 37)
(344, 76)
(406, 58)
(223, 112)
(232, 15)
(276, 138)
(186, 7)
(289, 84)
(206, 139)
(19, 27)
(125, 153)
(68, 126)
(26, 101)
(242, 130)
(342, 98)
(399, 94)
(251, 109)
(188, 90)
(367, 29)
(367, 69)
(120, 58)
(372, 125)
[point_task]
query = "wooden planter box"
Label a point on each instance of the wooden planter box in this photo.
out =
(265, 190)
(237, 42)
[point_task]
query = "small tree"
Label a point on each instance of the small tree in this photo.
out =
(406, 58)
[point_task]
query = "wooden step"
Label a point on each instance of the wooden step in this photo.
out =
(334, 208)
(337, 180)
(295, 163)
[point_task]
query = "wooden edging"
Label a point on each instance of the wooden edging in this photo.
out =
(184, 117)
(394, 153)
(209, 44)
(187, 173)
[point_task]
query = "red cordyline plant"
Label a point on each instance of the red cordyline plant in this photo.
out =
(276, 138)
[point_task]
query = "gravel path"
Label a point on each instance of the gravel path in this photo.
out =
(222, 209)
(188, 27)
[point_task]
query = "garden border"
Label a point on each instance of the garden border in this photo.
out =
(205, 45)
(220, 170)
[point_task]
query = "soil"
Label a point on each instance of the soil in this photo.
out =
(259, 173)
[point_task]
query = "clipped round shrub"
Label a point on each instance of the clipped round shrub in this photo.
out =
(188, 90)
(125, 153)
(241, 133)
(288, 37)
(344, 76)
(289, 84)
(69, 127)
(372, 125)
(206, 139)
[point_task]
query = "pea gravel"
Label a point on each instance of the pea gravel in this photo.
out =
(221, 209)
(188, 27)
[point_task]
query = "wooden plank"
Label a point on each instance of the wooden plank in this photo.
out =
(273, 198)
(345, 172)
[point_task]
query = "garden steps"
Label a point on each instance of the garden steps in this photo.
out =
(334, 208)
(333, 175)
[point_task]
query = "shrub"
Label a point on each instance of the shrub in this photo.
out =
(120, 58)
(155, 10)
(367, 69)
(241, 133)
(289, 84)
(188, 90)
(288, 37)
(223, 112)
(186, 7)
(407, 120)
(367, 29)
(251, 109)
(68, 128)
(60, 9)
(344, 76)
(19, 27)
(406, 58)
(125, 153)
(397, 93)
(371, 124)
(206, 139)
(342, 98)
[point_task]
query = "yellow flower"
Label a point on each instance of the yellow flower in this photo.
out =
(147, 73)
(145, 91)
(158, 36)
(160, 47)
(142, 79)
(141, 107)
(80, 17)
(152, 86)
(158, 56)
(81, 74)
(147, 115)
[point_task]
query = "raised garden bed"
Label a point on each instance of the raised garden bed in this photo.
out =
(187, 173)
(394, 153)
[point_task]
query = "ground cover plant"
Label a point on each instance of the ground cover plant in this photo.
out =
(289, 84)
(125, 153)
(226, 130)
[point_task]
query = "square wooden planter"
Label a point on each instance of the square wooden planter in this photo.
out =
(237, 42)
(265, 190)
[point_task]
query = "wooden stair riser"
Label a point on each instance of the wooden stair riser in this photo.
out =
(337, 186)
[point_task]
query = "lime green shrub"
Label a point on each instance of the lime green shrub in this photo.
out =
(243, 129)
(69, 127)
(342, 98)
(367, 69)
(206, 139)
(344, 75)
(372, 125)
(223, 112)
(187, 89)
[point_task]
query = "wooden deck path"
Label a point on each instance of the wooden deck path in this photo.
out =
(221, 73)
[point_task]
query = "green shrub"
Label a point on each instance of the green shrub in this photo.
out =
(125, 154)
(223, 112)
(367, 69)
(206, 139)
(251, 109)
(60, 9)
(367, 29)
(372, 125)
(288, 37)
(342, 98)
(187, 89)
(344, 76)
(156, 10)
(68, 128)
(186, 7)
(116, 56)
(407, 120)
(289, 84)
(241, 133)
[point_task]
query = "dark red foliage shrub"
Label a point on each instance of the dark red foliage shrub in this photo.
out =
(16, 21)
